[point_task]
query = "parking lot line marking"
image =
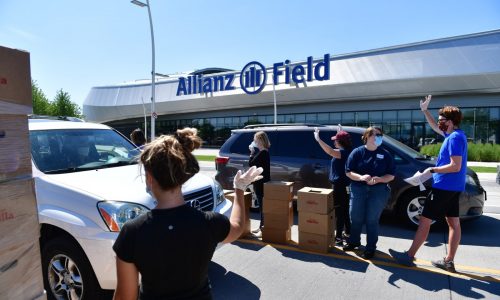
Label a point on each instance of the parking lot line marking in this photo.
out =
(422, 265)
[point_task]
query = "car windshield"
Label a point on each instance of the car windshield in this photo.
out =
(407, 150)
(73, 150)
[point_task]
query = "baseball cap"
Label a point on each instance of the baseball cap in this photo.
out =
(341, 136)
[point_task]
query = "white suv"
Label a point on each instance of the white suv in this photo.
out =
(88, 184)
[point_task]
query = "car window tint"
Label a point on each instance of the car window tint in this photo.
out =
(299, 144)
(240, 143)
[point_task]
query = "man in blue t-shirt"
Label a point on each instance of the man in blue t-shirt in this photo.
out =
(449, 182)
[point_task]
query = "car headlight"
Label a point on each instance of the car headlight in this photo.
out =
(115, 213)
(470, 180)
(219, 193)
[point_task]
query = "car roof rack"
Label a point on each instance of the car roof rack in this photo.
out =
(55, 118)
(283, 125)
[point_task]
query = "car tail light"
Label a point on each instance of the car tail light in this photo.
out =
(221, 160)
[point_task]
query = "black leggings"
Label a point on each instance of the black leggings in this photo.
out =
(341, 203)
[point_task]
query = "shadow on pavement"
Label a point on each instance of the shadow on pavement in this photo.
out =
(471, 287)
(349, 261)
(227, 285)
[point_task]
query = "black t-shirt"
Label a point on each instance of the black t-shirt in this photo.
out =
(172, 248)
(262, 160)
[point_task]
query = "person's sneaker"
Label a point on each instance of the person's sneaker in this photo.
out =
(350, 246)
(339, 242)
(445, 265)
(402, 258)
(345, 236)
(368, 254)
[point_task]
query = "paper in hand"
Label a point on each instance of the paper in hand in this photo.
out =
(419, 179)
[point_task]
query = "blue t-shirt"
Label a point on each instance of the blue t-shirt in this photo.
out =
(337, 168)
(374, 163)
(455, 144)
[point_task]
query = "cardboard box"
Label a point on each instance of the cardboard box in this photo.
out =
(317, 223)
(279, 221)
(15, 80)
(248, 202)
(279, 190)
(278, 236)
(21, 274)
(15, 155)
(315, 200)
(274, 206)
(315, 242)
(18, 214)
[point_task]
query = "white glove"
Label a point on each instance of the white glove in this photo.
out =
(316, 134)
(241, 181)
(340, 127)
(425, 104)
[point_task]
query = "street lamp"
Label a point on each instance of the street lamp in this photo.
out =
(153, 112)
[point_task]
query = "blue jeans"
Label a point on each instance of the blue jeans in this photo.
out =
(367, 204)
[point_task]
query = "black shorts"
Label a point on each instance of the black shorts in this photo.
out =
(441, 203)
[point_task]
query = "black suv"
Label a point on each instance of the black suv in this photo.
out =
(297, 157)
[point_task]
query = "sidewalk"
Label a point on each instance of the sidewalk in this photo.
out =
(209, 151)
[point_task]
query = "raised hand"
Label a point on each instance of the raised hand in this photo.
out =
(241, 181)
(316, 134)
(425, 104)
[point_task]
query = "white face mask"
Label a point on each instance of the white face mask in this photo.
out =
(253, 144)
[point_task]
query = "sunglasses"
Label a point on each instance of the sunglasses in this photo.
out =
(378, 134)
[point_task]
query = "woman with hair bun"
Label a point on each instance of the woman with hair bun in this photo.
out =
(172, 245)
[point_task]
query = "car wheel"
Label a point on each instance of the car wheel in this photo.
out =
(411, 207)
(67, 273)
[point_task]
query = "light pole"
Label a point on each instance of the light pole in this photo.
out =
(145, 119)
(153, 112)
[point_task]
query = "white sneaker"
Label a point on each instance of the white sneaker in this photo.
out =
(257, 230)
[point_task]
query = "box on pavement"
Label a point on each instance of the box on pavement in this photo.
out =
(248, 202)
(317, 223)
(273, 206)
(315, 242)
(278, 236)
(15, 155)
(21, 274)
(15, 82)
(278, 190)
(280, 221)
(315, 200)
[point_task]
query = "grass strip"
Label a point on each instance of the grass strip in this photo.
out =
(205, 158)
(479, 169)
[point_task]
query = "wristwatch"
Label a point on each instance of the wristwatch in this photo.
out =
(432, 170)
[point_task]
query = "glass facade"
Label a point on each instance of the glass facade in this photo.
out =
(408, 126)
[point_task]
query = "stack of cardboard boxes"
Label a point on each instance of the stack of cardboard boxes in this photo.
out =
(20, 264)
(278, 212)
(316, 219)
(248, 202)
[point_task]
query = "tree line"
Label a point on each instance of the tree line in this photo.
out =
(60, 106)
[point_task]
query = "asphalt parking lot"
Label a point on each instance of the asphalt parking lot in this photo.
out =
(251, 269)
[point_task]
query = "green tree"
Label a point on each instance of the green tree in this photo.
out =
(41, 104)
(62, 105)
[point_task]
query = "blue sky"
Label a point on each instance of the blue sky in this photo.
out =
(76, 45)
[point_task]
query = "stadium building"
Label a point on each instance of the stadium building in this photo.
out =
(377, 87)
